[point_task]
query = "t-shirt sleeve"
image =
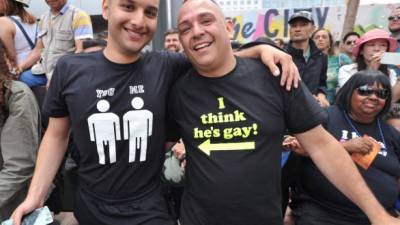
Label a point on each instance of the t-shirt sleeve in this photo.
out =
(179, 64)
(344, 60)
(302, 111)
(54, 103)
(323, 75)
(173, 134)
(41, 31)
(394, 139)
(82, 26)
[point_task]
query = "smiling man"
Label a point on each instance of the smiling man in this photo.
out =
(232, 114)
(171, 41)
(114, 101)
(61, 31)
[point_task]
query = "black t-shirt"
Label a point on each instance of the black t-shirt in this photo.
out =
(117, 114)
(381, 177)
(232, 127)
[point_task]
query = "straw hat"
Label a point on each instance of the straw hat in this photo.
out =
(373, 35)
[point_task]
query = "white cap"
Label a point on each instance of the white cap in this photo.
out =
(24, 2)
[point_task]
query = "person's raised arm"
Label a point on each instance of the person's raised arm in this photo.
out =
(321, 95)
(335, 163)
(51, 153)
(78, 46)
(271, 56)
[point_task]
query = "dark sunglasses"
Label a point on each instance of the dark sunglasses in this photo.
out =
(350, 42)
(390, 18)
(367, 91)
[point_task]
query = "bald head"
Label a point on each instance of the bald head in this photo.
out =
(211, 3)
(205, 37)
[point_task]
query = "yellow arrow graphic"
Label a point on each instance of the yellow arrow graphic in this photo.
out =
(207, 147)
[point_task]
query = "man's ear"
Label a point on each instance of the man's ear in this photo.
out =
(230, 28)
(313, 29)
(105, 7)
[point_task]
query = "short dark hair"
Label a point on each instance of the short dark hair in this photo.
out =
(347, 35)
(364, 77)
(265, 39)
(171, 31)
(89, 43)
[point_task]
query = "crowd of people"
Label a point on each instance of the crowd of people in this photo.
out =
(208, 131)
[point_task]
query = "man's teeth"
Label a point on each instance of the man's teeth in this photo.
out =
(197, 47)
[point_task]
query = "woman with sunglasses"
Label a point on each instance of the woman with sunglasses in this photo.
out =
(368, 51)
(324, 41)
(356, 122)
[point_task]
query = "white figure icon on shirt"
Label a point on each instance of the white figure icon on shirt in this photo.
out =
(104, 129)
(138, 126)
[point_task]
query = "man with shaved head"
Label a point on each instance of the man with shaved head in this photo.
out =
(232, 114)
(114, 101)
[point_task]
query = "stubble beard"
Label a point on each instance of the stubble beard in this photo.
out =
(395, 31)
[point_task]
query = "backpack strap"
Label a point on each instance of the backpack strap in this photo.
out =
(30, 42)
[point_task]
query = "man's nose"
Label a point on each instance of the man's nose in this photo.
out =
(197, 30)
(138, 18)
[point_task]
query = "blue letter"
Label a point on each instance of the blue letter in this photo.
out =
(266, 23)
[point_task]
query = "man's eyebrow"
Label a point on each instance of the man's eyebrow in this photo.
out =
(203, 14)
(182, 23)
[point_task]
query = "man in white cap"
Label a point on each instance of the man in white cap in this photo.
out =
(61, 31)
